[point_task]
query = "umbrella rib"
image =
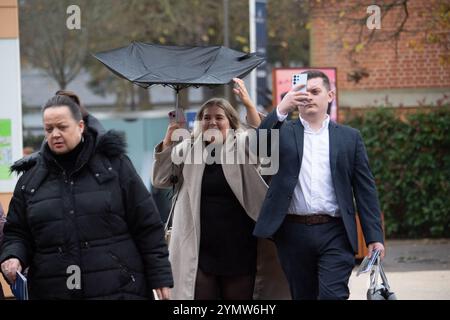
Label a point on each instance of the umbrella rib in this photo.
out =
(174, 82)
(214, 60)
(136, 47)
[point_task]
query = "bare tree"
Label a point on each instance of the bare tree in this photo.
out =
(47, 43)
(288, 32)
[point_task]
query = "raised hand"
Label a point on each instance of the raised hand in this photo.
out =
(293, 99)
(241, 91)
(167, 142)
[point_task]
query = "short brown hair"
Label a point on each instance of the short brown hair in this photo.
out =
(319, 74)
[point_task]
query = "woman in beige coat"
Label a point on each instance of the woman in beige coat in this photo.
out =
(212, 250)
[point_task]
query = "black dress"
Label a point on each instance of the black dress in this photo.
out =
(227, 246)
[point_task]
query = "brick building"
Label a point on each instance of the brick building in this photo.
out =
(414, 76)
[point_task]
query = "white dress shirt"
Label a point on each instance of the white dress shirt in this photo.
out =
(314, 192)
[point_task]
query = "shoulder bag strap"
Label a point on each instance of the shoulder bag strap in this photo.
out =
(374, 275)
(383, 277)
(175, 189)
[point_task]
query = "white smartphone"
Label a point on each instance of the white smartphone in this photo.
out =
(300, 78)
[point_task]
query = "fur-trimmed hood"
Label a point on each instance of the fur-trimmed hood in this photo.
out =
(25, 163)
(111, 144)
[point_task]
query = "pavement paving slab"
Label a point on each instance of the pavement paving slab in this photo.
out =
(416, 270)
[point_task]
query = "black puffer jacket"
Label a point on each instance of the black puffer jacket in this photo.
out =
(1, 223)
(101, 219)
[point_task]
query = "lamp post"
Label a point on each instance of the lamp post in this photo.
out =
(226, 39)
(258, 43)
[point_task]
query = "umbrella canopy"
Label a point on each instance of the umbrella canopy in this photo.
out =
(178, 66)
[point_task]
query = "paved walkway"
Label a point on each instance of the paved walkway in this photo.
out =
(416, 270)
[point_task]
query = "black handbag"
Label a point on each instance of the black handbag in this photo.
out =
(379, 291)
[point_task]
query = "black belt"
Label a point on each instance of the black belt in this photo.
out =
(310, 219)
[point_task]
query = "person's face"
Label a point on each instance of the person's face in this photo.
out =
(62, 131)
(318, 98)
(214, 118)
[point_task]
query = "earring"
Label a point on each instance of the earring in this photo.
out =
(82, 139)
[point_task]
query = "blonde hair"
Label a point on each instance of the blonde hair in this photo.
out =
(230, 112)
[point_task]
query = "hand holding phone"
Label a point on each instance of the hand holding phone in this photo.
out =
(177, 120)
(300, 79)
(292, 99)
(177, 115)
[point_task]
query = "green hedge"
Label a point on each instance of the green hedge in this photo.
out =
(411, 163)
(33, 142)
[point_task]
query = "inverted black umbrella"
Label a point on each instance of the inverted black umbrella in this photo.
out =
(178, 67)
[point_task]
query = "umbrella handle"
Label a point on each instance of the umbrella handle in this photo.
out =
(177, 97)
(177, 101)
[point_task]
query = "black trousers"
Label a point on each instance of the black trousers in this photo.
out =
(317, 259)
(213, 287)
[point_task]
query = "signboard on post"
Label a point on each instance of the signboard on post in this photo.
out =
(10, 91)
(11, 105)
(282, 83)
(5, 148)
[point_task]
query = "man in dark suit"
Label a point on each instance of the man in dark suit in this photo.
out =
(309, 209)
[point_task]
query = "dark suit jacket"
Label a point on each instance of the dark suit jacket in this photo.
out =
(350, 172)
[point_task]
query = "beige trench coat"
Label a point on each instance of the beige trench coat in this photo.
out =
(250, 190)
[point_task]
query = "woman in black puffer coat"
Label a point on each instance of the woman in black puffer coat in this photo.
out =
(2, 221)
(81, 219)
